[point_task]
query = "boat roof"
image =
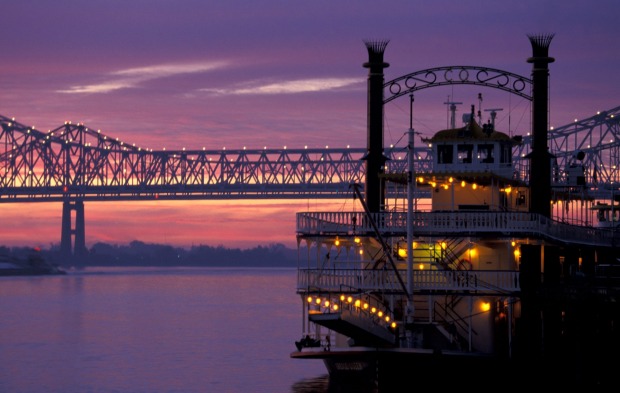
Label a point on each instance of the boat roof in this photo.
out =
(470, 132)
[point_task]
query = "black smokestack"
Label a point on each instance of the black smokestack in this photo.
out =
(540, 158)
(375, 160)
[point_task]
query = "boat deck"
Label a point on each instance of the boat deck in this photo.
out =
(454, 223)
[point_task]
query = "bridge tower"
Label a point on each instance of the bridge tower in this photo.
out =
(375, 159)
(73, 237)
(540, 158)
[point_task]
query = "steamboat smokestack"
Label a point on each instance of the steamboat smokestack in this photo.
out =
(540, 158)
(375, 160)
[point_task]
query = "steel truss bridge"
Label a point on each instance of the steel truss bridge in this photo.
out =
(74, 162)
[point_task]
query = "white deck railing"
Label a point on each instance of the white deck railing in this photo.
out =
(456, 222)
(365, 280)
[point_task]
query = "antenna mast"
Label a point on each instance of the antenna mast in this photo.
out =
(493, 114)
(452, 109)
(479, 108)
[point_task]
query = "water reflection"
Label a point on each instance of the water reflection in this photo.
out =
(312, 385)
(324, 384)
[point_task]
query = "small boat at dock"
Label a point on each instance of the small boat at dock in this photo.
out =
(32, 265)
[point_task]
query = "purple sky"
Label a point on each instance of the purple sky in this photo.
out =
(194, 73)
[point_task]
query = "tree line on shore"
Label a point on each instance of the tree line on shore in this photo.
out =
(138, 253)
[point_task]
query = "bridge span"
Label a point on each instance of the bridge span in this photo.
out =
(78, 163)
(74, 164)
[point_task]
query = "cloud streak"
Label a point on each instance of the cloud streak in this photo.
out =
(132, 77)
(289, 87)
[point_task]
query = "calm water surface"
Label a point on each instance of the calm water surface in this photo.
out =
(154, 330)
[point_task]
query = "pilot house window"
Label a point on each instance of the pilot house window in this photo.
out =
(464, 153)
(485, 153)
(506, 154)
(444, 154)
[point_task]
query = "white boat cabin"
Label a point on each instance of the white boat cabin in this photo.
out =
(472, 170)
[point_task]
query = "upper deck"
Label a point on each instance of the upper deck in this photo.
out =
(461, 223)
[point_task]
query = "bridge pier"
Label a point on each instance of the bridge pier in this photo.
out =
(73, 237)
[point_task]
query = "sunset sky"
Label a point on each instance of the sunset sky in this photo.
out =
(194, 73)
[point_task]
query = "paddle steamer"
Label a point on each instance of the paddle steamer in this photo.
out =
(484, 282)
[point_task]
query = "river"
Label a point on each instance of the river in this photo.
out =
(152, 330)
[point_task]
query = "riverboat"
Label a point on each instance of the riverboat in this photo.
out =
(472, 286)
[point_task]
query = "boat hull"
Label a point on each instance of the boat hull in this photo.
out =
(387, 368)
(383, 366)
(31, 271)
